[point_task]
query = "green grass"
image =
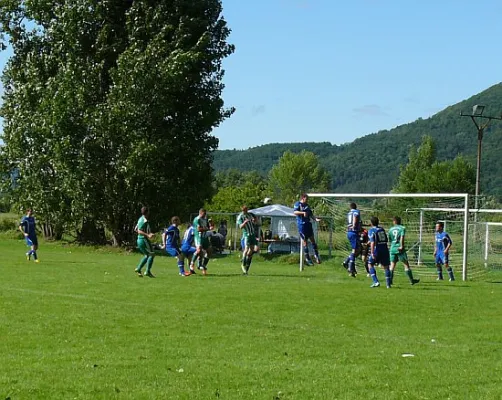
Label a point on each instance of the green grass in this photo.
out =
(81, 325)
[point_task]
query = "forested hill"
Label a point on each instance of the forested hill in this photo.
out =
(350, 166)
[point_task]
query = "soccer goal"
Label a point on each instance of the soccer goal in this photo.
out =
(419, 213)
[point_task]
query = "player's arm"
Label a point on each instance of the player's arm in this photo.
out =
(372, 245)
(435, 247)
(401, 243)
(142, 232)
(164, 239)
(242, 222)
(447, 248)
(23, 227)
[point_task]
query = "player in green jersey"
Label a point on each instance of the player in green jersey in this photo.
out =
(201, 241)
(144, 245)
(398, 250)
(246, 221)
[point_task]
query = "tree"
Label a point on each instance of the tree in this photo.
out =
(110, 105)
(237, 189)
(424, 174)
(295, 174)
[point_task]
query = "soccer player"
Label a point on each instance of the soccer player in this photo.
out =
(354, 225)
(144, 245)
(171, 243)
(398, 251)
(304, 216)
(202, 245)
(27, 227)
(441, 252)
(379, 252)
(245, 220)
(186, 247)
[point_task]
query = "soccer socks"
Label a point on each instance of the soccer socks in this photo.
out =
(391, 275)
(245, 261)
(149, 264)
(316, 251)
(35, 257)
(440, 273)
(450, 273)
(248, 264)
(181, 267)
(388, 279)
(410, 275)
(142, 263)
(373, 274)
(352, 264)
(204, 262)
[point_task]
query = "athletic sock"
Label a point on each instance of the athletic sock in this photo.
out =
(373, 274)
(388, 279)
(410, 275)
(440, 273)
(450, 273)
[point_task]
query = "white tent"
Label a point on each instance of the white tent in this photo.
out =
(282, 221)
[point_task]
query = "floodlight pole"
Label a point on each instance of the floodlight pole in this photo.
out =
(481, 129)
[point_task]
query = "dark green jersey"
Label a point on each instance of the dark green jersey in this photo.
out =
(395, 234)
(143, 225)
(249, 228)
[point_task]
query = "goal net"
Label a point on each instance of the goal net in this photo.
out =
(477, 245)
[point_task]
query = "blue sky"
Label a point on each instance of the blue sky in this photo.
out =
(329, 70)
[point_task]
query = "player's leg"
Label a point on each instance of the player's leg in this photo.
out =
(393, 262)
(354, 244)
(142, 249)
(207, 250)
(252, 243)
(149, 262)
(180, 258)
(316, 249)
(34, 247)
(407, 269)
(439, 266)
(197, 255)
(371, 263)
(305, 245)
(448, 268)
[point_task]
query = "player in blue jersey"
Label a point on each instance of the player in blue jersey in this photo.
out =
(187, 248)
(27, 227)
(171, 243)
(379, 252)
(442, 251)
(354, 226)
(304, 217)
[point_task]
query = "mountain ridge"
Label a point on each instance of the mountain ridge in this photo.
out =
(371, 163)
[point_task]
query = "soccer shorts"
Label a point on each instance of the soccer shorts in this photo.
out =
(442, 258)
(381, 258)
(202, 242)
(173, 251)
(31, 240)
(395, 257)
(249, 241)
(188, 251)
(353, 237)
(145, 247)
(305, 231)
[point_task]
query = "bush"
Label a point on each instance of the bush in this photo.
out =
(8, 224)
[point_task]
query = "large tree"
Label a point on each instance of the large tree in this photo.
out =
(109, 105)
(296, 173)
(424, 174)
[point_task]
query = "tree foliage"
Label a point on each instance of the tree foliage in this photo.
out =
(295, 174)
(234, 189)
(110, 105)
(424, 174)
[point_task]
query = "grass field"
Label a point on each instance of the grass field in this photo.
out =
(81, 325)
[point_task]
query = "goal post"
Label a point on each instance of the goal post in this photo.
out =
(415, 206)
